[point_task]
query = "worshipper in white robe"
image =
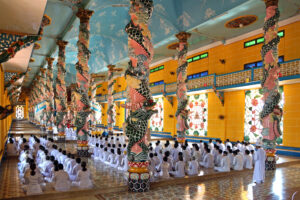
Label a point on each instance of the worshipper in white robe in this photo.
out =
(111, 157)
(228, 144)
(20, 141)
(208, 160)
(193, 168)
(11, 147)
(197, 154)
(61, 181)
(54, 151)
(118, 159)
(164, 169)
(124, 163)
(47, 167)
(83, 179)
(152, 167)
(75, 170)
(180, 168)
(71, 163)
(225, 163)
(201, 146)
(186, 154)
(158, 147)
(219, 158)
(248, 160)
(22, 145)
(231, 157)
(105, 155)
(65, 164)
(250, 147)
(122, 138)
(33, 182)
(96, 151)
(156, 160)
(259, 167)
(174, 153)
(238, 161)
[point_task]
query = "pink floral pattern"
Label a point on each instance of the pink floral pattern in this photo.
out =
(197, 117)
(157, 120)
(253, 106)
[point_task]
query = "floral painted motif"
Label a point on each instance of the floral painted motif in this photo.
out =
(197, 117)
(157, 120)
(253, 106)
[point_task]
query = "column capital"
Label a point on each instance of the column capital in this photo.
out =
(49, 60)
(183, 36)
(84, 15)
(61, 44)
(271, 3)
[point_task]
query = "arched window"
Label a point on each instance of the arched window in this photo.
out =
(19, 112)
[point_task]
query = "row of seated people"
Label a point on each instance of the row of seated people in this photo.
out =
(180, 160)
(50, 166)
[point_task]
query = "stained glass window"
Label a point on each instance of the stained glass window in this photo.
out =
(253, 106)
(157, 120)
(197, 120)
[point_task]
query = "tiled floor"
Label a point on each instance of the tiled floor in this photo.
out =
(110, 184)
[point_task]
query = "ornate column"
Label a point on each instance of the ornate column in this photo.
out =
(93, 102)
(271, 113)
(50, 95)
(60, 96)
(182, 112)
(111, 117)
(43, 97)
(83, 79)
(139, 99)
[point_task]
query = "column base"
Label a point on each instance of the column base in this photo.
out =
(138, 177)
(61, 139)
(83, 152)
(270, 163)
(139, 182)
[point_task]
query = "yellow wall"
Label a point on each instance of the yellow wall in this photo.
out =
(291, 115)
(234, 115)
(4, 124)
(170, 121)
(104, 114)
(215, 125)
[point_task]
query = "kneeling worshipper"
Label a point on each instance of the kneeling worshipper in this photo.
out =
(124, 163)
(33, 182)
(61, 180)
(75, 169)
(179, 168)
(225, 163)
(118, 159)
(164, 169)
(83, 179)
(248, 160)
(208, 160)
(193, 167)
(238, 162)
(12, 149)
(259, 166)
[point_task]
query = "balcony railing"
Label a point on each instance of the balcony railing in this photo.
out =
(287, 69)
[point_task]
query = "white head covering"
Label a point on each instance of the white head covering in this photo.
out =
(259, 143)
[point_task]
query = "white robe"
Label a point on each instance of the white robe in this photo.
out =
(83, 180)
(179, 169)
(193, 168)
(259, 168)
(248, 162)
(225, 165)
(238, 162)
(33, 186)
(12, 149)
(208, 161)
(61, 181)
(164, 170)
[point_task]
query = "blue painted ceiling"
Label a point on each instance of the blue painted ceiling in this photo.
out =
(205, 19)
